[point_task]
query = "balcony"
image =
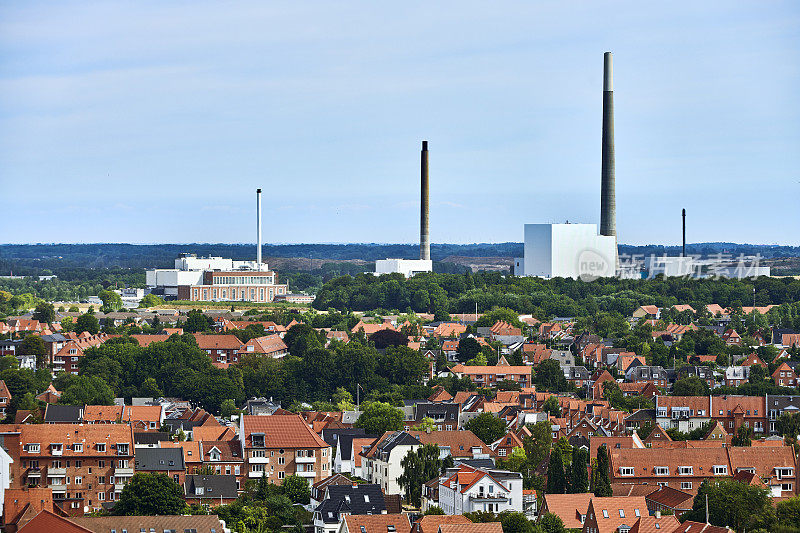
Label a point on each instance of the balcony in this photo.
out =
(59, 486)
(255, 474)
(308, 474)
(482, 497)
(124, 472)
(258, 460)
(59, 472)
(305, 459)
(34, 472)
(118, 487)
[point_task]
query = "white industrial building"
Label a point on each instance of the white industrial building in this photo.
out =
(189, 271)
(568, 251)
(407, 267)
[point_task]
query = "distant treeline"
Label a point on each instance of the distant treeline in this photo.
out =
(31, 259)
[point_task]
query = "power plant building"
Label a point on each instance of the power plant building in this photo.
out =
(218, 279)
(410, 267)
(577, 250)
(566, 250)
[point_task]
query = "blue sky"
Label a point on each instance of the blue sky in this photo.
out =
(156, 121)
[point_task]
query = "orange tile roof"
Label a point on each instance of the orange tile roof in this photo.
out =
(66, 434)
(497, 369)
(147, 340)
(281, 431)
(621, 510)
(431, 523)
(142, 413)
(218, 342)
(377, 523)
(651, 524)
(47, 521)
(568, 507)
(102, 413)
(449, 329)
(483, 527)
(460, 442)
(268, 344)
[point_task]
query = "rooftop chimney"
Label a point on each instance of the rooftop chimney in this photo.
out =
(258, 229)
(424, 232)
(608, 204)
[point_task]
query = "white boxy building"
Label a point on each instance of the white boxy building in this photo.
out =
(566, 250)
(407, 267)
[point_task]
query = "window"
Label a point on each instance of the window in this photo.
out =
(636, 512)
(281, 460)
(786, 486)
(720, 470)
(685, 470)
(33, 448)
(101, 447)
(622, 513)
(77, 448)
(626, 471)
(78, 480)
(501, 452)
(686, 485)
(281, 475)
(605, 513)
(661, 470)
(101, 496)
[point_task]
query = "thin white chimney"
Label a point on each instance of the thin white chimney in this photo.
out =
(258, 228)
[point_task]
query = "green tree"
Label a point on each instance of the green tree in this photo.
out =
(743, 437)
(151, 300)
(378, 417)
(601, 483)
(87, 322)
(468, 348)
(515, 522)
(788, 425)
(197, 322)
(691, 386)
(551, 523)
(579, 478)
(788, 512)
(434, 510)
(419, 467)
(45, 313)
(556, 481)
(551, 406)
(227, 408)
(296, 489)
(150, 389)
(384, 338)
(734, 504)
(149, 494)
(549, 376)
(111, 301)
(426, 424)
(487, 427)
(84, 390)
(757, 374)
(34, 345)
(537, 446)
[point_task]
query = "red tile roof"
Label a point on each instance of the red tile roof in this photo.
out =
(49, 522)
(377, 523)
(484, 527)
(218, 342)
(281, 431)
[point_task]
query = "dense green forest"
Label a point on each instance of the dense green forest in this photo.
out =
(30, 259)
(442, 294)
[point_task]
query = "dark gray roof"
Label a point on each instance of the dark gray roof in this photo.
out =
(475, 463)
(642, 415)
(398, 438)
(358, 500)
(54, 337)
(330, 435)
(212, 486)
(436, 410)
(346, 444)
(150, 437)
(159, 459)
(64, 414)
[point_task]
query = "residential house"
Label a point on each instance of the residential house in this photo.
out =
(63, 414)
(102, 414)
(784, 376)
(83, 465)
(703, 372)
(736, 375)
(466, 489)
(753, 359)
(281, 445)
(136, 524)
(267, 346)
(489, 376)
(431, 523)
(5, 398)
(778, 405)
(168, 461)
(483, 527)
(350, 499)
(144, 417)
(224, 457)
(614, 514)
(736, 411)
(348, 458)
(444, 415)
(570, 508)
(577, 375)
(376, 523)
(222, 349)
(669, 500)
(210, 490)
(684, 413)
(732, 338)
(647, 311)
(647, 374)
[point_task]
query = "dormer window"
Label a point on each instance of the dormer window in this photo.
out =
(661, 470)
(101, 447)
(77, 447)
(720, 470)
(685, 470)
(122, 448)
(257, 440)
(33, 448)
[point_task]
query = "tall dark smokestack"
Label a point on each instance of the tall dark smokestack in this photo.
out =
(608, 204)
(258, 228)
(683, 214)
(424, 232)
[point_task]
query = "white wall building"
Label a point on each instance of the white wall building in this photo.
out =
(5, 475)
(382, 463)
(407, 267)
(566, 250)
(470, 489)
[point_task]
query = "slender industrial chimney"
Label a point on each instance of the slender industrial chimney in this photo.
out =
(258, 228)
(608, 204)
(424, 232)
(683, 214)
